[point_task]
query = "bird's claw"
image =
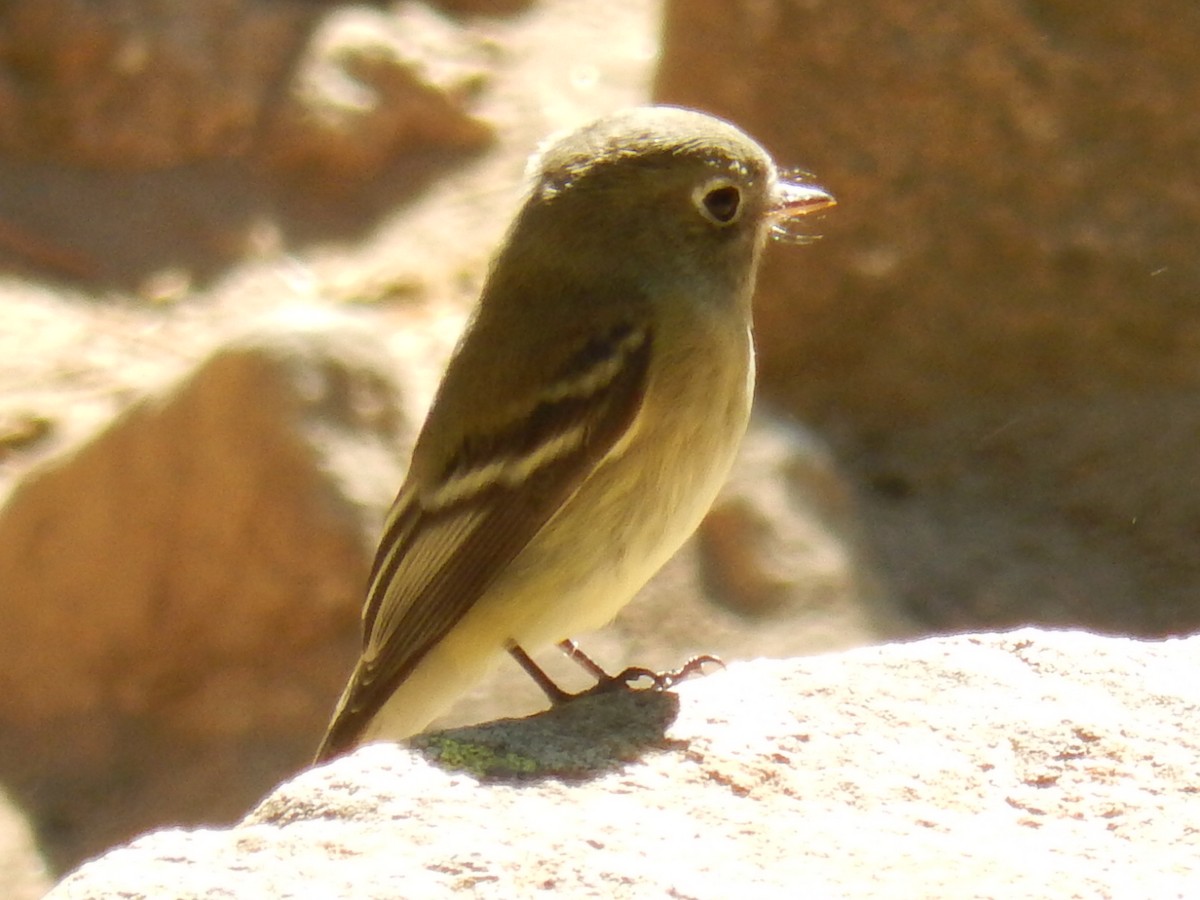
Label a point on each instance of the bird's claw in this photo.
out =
(664, 681)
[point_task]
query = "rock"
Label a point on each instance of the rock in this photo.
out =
(1026, 764)
(181, 594)
(23, 874)
(784, 537)
(139, 84)
(133, 84)
(372, 85)
(997, 333)
(483, 7)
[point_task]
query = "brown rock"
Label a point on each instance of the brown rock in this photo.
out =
(482, 7)
(997, 334)
(1024, 765)
(139, 83)
(181, 594)
(783, 538)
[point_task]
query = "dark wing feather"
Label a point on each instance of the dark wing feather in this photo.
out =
(443, 547)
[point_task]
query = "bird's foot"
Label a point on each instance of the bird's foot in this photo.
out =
(626, 679)
(659, 681)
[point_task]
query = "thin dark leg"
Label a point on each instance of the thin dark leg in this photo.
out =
(659, 681)
(556, 694)
(572, 650)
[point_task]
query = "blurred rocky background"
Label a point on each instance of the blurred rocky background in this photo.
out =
(238, 239)
(999, 334)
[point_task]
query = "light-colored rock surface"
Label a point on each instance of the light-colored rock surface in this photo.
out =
(1026, 765)
(23, 873)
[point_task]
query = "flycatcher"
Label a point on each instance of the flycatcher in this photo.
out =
(587, 418)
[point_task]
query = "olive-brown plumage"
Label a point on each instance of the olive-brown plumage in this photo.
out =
(587, 418)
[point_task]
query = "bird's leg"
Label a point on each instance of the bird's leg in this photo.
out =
(660, 681)
(556, 694)
(589, 665)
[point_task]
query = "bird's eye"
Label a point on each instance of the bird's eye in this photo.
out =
(720, 203)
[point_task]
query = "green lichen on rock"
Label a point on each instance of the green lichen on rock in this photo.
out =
(476, 759)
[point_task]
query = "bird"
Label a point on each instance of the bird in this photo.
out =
(587, 418)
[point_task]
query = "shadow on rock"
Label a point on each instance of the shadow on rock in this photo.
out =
(584, 738)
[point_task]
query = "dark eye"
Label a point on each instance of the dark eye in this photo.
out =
(721, 204)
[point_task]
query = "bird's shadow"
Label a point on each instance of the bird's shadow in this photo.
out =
(582, 739)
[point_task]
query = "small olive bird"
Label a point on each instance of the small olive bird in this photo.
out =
(587, 418)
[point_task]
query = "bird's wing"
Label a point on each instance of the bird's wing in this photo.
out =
(445, 543)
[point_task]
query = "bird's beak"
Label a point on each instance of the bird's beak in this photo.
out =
(795, 200)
